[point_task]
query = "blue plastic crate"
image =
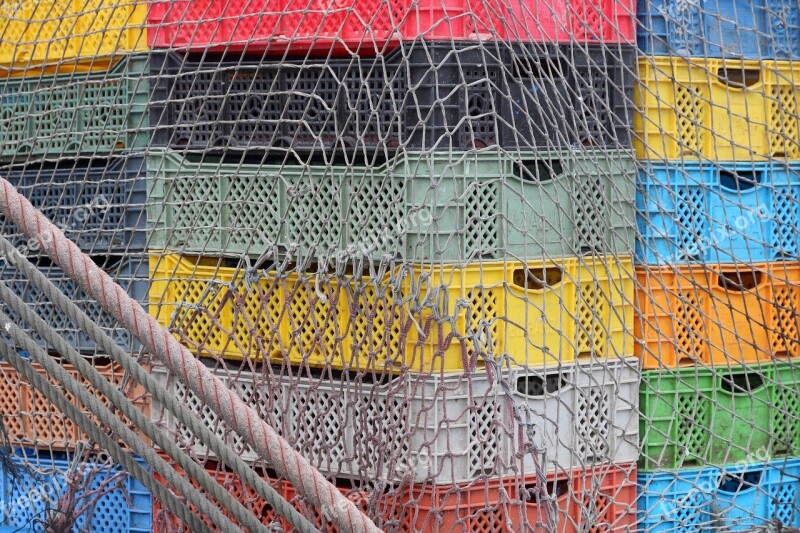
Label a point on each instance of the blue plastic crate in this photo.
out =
(718, 212)
(736, 498)
(130, 272)
(27, 494)
(759, 29)
(99, 203)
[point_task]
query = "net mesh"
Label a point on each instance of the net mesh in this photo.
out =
(490, 266)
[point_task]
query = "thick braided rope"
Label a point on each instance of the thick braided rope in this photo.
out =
(59, 399)
(270, 446)
(126, 407)
(140, 375)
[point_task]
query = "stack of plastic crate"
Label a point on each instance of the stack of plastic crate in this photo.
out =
(718, 276)
(247, 99)
(73, 119)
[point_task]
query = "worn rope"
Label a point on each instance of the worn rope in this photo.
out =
(140, 375)
(126, 407)
(269, 445)
(59, 399)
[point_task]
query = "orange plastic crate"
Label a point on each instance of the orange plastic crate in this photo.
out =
(31, 420)
(422, 318)
(717, 314)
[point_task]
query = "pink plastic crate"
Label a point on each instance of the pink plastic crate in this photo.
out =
(375, 25)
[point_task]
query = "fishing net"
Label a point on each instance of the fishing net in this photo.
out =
(487, 265)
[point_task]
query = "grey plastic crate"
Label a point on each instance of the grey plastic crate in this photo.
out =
(440, 207)
(98, 203)
(131, 273)
(451, 428)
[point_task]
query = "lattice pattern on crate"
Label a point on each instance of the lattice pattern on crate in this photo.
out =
(424, 322)
(451, 427)
(690, 104)
(784, 124)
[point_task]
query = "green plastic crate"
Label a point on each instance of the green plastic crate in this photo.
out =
(94, 113)
(702, 416)
(438, 207)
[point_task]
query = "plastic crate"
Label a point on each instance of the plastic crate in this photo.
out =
(166, 522)
(602, 497)
(89, 114)
(458, 427)
(32, 421)
(28, 494)
(446, 318)
(440, 96)
(695, 417)
(129, 272)
(433, 207)
(718, 212)
(53, 33)
(764, 29)
(100, 205)
(716, 109)
(717, 314)
(370, 26)
(733, 498)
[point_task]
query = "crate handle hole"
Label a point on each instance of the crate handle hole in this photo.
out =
(737, 483)
(540, 171)
(738, 77)
(739, 281)
(741, 383)
(539, 385)
(555, 490)
(740, 181)
(536, 279)
(524, 68)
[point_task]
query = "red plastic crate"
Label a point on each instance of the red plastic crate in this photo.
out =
(166, 522)
(372, 25)
(597, 499)
(602, 498)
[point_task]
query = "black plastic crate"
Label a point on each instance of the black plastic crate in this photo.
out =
(440, 96)
(98, 203)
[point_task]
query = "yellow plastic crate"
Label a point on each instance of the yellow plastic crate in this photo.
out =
(425, 319)
(49, 33)
(717, 109)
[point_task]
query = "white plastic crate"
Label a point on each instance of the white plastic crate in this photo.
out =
(444, 428)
